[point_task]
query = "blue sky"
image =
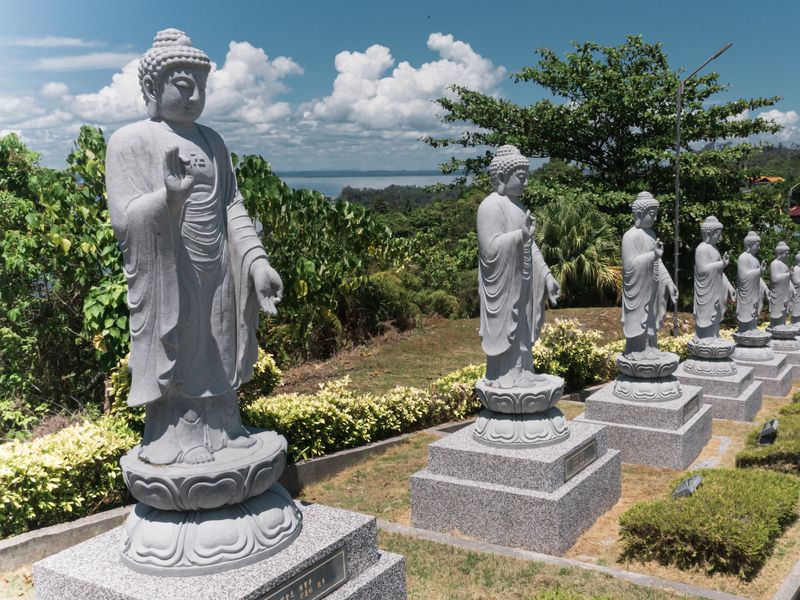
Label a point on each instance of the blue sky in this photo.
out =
(350, 84)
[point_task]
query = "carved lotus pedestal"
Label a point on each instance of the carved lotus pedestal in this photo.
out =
(209, 517)
(754, 349)
(786, 341)
(521, 476)
(650, 417)
(729, 388)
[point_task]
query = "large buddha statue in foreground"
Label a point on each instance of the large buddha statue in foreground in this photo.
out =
(197, 272)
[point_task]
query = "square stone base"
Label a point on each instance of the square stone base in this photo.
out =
(736, 397)
(93, 570)
(643, 444)
(775, 374)
(792, 358)
(512, 513)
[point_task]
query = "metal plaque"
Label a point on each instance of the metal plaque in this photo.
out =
(690, 408)
(580, 458)
(317, 581)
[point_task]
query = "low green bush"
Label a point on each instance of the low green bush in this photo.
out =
(566, 349)
(438, 302)
(383, 299)
(729, 525)
(62, 476)
(456, 392)
(784, 454)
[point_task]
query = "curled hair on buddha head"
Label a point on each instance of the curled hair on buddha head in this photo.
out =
(709, 226)
(782, 247)
(506, 160)
(751, 238)
(644, 201)
(171, 48)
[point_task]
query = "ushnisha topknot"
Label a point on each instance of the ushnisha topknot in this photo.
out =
(782, 246)
(710, 224)
(751, 238)
(506, 160)
(644, 200)
(171, 48)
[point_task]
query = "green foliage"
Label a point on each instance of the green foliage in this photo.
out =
(62, 476)
(398, 197)
(439, 302)
(582, 250)
(380, 301)
(63, 319)
(784, 454)
(565, 349)
(729, 525)
(457, 392)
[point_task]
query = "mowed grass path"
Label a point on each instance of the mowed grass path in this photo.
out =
(419, 357)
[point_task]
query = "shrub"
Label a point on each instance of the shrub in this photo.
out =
(439, 302)
(62, 476)
(382, 299)
(784, 454)
(565, 349)
(729, 525)
(266, 377)
(456, 391)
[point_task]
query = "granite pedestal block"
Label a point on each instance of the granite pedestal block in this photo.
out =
(793, 359)
(775, 374)
(93, 569)
(736, 397)
(540, 499)
(662, 434)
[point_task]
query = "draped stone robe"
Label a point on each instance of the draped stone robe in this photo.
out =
(750, 288)
(710, 289)
(191, 300)
(795, 303)
(780, 289)
(512, 277)
(645, 280)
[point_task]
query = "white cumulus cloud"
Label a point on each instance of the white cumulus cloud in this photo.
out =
(84, 62)
(363, 95)
(52, 41)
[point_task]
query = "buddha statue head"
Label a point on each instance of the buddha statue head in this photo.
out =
(752, 243)
(509, 171)
(711, 230)
(782, 252)
(645, 210)
(172, 75)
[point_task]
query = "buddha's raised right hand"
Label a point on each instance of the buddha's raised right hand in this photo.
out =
(178, 178)
(529, 228)
(658, 250)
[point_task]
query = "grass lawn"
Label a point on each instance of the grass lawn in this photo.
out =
(380, 488)
(419, 357)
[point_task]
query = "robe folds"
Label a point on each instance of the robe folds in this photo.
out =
(750, 288)
(710, 286)
(645, 280)
(795, 304)
(154, 238)
(512, 277)
(780, 289)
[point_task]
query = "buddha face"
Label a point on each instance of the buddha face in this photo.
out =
(646, 218)
(516, 182)
(715, 236)
(181, 97)
(782, 254)
(753, 247)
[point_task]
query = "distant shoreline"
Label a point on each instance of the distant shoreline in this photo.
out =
(314, 174)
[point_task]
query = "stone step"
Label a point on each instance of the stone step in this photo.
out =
(728, 385)
(604, 407)
(543, 468)
(743, 407)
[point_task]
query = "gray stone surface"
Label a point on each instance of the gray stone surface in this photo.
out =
(604, 406)
(93, 569)
(792, 358)
(711, 287)
(656, 446)
(750, 287)
(729, 385)
(459, 455)
(743, 407)
(548, 522)
(776, 374)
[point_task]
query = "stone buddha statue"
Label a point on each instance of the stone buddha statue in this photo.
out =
(646, 281)
(197, 272)
(514, 285)
(750, 287)
(795, 303)
(197, 275)
(780, 286)
(711, 287)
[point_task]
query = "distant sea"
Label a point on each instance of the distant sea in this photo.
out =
(332, 183)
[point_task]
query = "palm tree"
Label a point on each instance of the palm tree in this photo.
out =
(582, 250)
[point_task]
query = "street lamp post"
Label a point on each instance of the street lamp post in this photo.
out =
(789, 198)
(678, 115)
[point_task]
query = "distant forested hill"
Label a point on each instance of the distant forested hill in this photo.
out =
(782, 161)
(399, 197)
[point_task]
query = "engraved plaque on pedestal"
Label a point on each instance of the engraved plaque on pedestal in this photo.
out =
(690, 408)
(315, 582)
(579, 459)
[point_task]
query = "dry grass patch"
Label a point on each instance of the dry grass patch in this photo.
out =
(17, 584)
